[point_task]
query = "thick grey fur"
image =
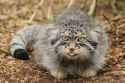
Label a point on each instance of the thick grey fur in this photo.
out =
(40, 38)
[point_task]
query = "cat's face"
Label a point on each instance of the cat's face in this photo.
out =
(73, 45)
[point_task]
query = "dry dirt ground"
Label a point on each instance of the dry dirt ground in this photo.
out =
(15, 14)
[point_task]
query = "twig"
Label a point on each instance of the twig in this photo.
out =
(92, 8)
(36, 10)
(83, 4)
(107, 19)
(71, 3)
(49, 13)
(3, 51)
(113, 2)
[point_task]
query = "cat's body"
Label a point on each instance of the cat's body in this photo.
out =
(73, 44)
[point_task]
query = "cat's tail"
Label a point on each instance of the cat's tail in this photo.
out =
(19, 42)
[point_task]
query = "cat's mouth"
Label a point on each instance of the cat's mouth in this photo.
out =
(72, 56)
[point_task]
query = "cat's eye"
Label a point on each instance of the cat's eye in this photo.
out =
(80, 39)
(77, 39)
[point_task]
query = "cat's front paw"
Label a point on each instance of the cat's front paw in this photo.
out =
(58, 73)
(88, 73)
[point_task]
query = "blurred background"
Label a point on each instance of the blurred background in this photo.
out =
(15, 14)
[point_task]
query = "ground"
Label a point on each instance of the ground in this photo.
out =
(14, 14)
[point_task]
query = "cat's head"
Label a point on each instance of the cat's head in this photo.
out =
(74, 44)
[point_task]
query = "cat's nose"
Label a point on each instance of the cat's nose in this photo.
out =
(71, 49)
